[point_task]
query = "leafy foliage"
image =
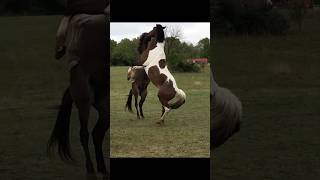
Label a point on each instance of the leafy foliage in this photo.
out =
(125, 53)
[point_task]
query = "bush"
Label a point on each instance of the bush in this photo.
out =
(186, 67)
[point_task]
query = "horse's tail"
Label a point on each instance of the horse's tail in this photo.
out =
(226, 112)
(60, 133)
(129, 101)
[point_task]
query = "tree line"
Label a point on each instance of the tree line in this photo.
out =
(177, 52)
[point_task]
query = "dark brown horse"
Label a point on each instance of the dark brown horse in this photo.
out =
(154, 61)
(139, 79)
(86, 51)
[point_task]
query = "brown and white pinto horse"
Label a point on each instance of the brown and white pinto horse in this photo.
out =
(154, 62)
(225, 114)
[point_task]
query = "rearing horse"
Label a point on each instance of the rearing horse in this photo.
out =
(154, 61)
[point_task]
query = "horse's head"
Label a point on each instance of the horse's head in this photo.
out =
(158, 33)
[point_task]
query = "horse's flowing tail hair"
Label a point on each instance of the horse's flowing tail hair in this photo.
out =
(226, 112)
(129, 101)
(60, 133)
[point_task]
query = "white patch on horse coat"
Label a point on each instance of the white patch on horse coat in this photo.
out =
(155, 55)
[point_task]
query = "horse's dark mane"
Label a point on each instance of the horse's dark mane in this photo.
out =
(160, 33)
(143, 41)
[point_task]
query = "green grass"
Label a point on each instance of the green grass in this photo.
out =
(186, 130)
(31, 83)
(278, 82)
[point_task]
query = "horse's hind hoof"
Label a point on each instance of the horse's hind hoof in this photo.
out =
(160, 123)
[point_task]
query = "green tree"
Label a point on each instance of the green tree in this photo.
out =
(124, 53)
(204, 47)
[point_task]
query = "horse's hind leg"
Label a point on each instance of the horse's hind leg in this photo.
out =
(143, 98)
(166, 111)
(79, 88)
(136, 95)
(99, 131)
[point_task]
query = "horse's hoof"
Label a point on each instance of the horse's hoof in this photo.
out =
(160, 123)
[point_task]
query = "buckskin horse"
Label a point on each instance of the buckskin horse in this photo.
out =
(225, 117)
(154, 61)
(86, 51)
(139, 80)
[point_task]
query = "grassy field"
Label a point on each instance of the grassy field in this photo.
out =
(186, 133)
(278, 82)
(31, 84)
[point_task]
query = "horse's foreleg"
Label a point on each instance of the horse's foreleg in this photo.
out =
(79, 88)
(143, 98)
(99, 131)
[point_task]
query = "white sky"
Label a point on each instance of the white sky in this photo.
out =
(191, 32)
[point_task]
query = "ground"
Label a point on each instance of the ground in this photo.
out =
(186, 130)
(278, 81)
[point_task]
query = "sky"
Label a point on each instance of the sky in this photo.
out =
(191, 32)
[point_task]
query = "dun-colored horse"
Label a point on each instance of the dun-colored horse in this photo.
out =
(139, 80)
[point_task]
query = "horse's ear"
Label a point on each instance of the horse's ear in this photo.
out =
(164, 27)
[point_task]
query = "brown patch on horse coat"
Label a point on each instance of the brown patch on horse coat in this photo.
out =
(166, 93)
(162, 63)
(166, 89)
(156, 78)
(144, 56)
